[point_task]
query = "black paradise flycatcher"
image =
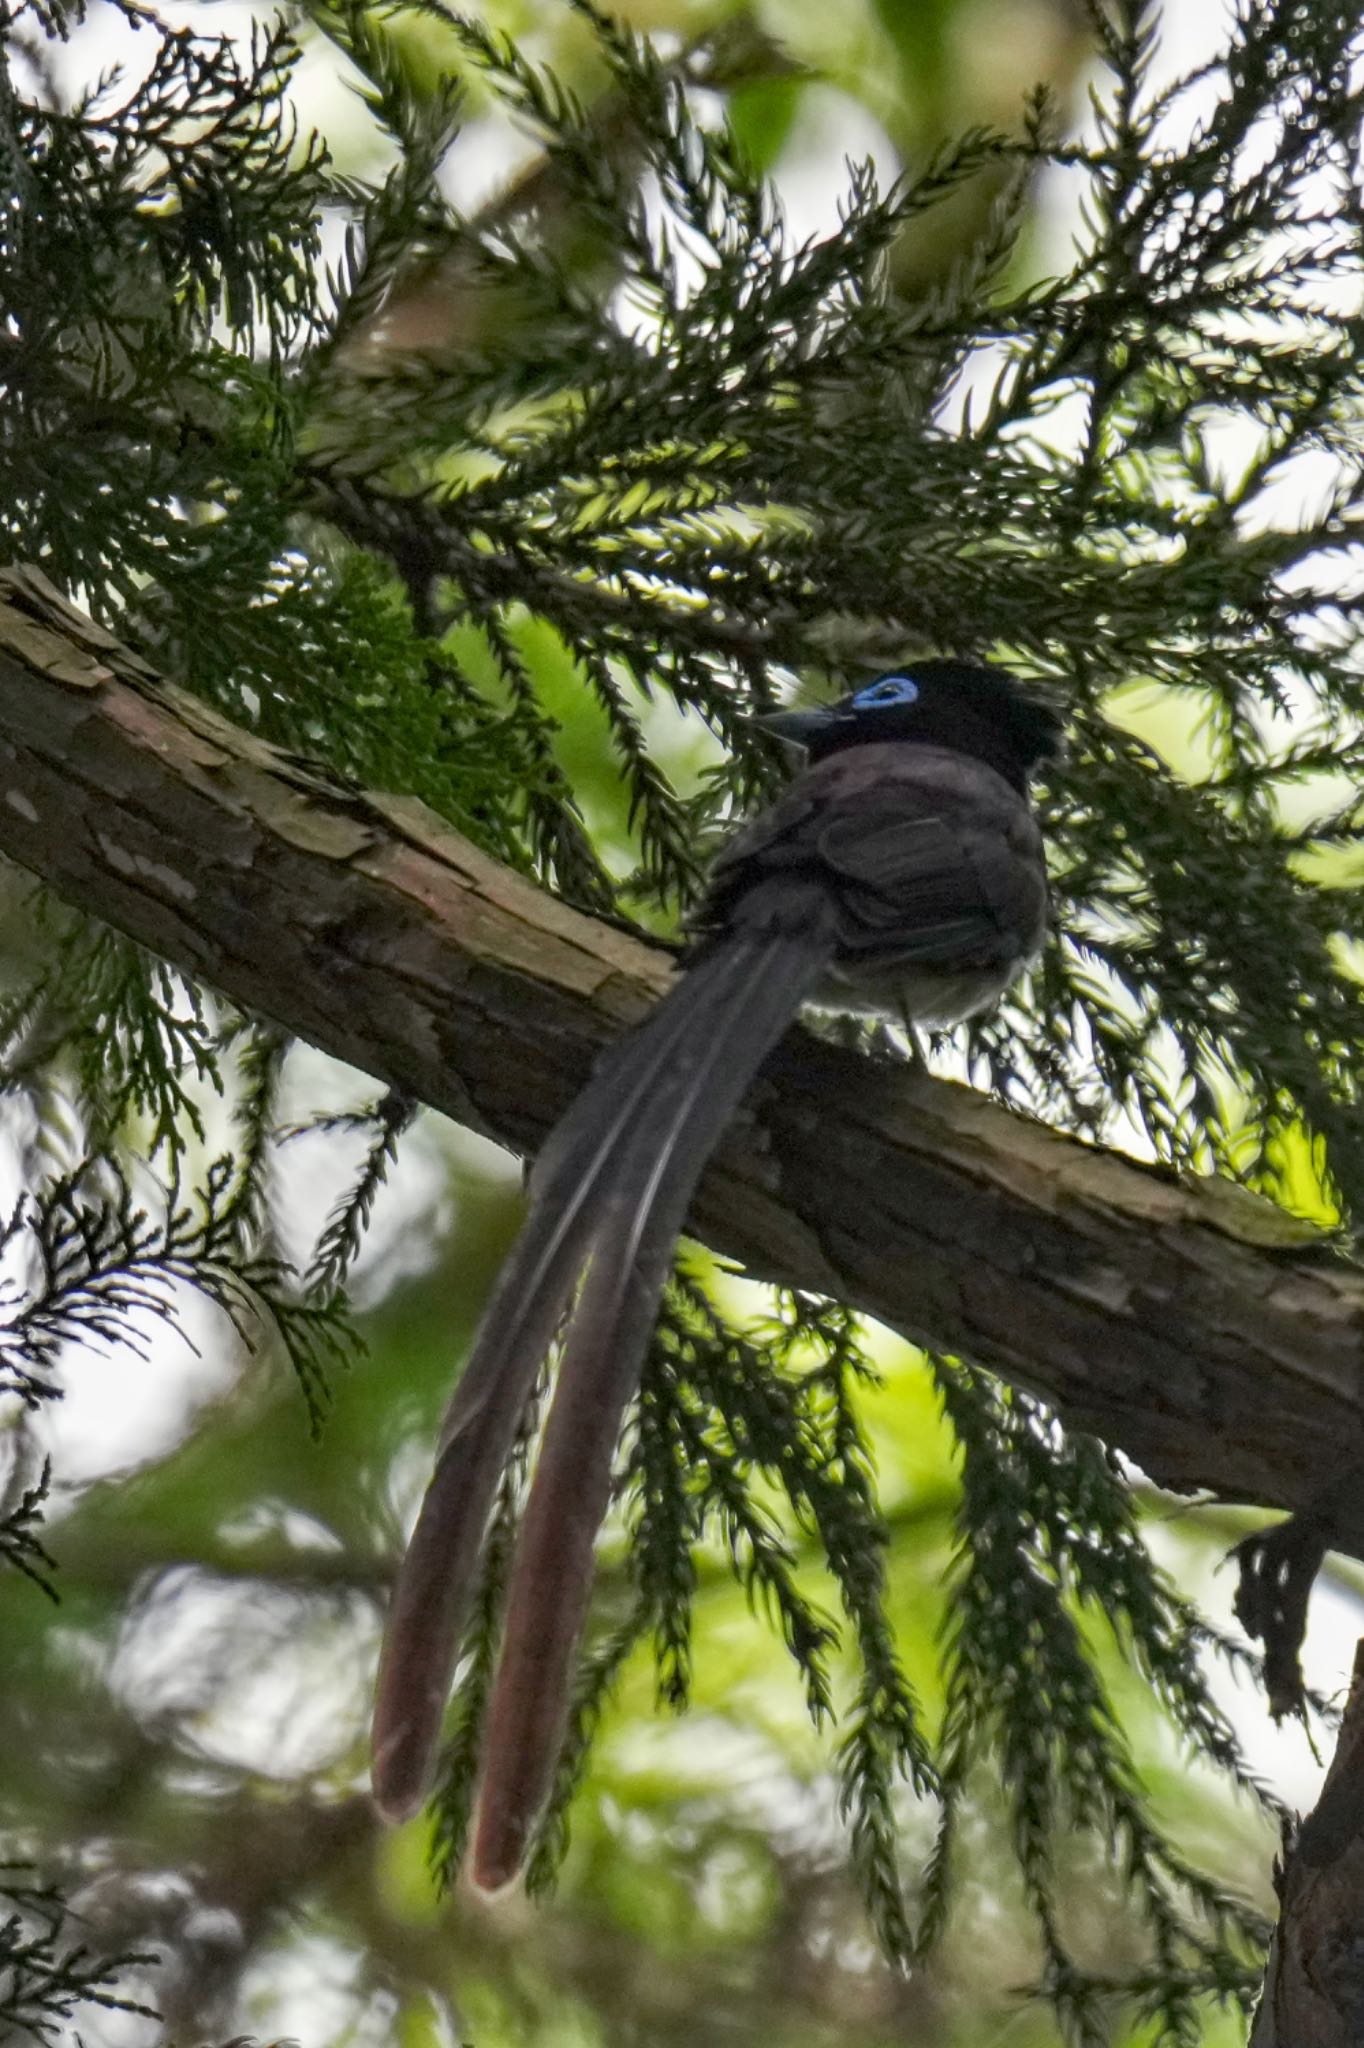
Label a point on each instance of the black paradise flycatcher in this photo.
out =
(900, 870)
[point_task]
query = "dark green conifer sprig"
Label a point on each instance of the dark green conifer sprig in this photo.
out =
(1047, 1535)
(718, 1418)
(591, 515)
(20, 1544)
(261, 1053)
(128, 1044)
(699, 454)
(343, 1233)
(47, 1974)
(94, 1259)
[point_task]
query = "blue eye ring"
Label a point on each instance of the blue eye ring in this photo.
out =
(887, 690)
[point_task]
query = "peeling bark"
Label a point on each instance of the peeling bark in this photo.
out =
(1209, 1337)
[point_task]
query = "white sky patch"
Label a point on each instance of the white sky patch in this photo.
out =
(107, 38)
(312, 1173)
(831, 130)
(312, 1989)
(132, 1404)
(248, 1674)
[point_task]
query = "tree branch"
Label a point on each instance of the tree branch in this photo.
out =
(1314, 1986)
(1191, 1324)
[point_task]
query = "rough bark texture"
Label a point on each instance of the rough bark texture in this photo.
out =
(1185, 1321)
(1314, 1984)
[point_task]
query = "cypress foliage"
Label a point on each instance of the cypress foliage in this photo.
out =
(692, 460)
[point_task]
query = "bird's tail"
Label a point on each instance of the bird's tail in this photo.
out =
(610, 1193)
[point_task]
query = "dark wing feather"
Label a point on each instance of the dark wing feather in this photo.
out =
(938, 862)
(908, 888)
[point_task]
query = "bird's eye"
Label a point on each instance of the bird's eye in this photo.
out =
(890, 690)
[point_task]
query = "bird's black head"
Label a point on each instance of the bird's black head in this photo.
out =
(960, 704)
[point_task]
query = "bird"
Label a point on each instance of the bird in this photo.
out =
(901, 870)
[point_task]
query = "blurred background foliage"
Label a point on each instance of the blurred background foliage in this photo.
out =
(181, 1741)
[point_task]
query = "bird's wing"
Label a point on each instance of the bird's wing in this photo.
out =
(909, 884)
(929, 857)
